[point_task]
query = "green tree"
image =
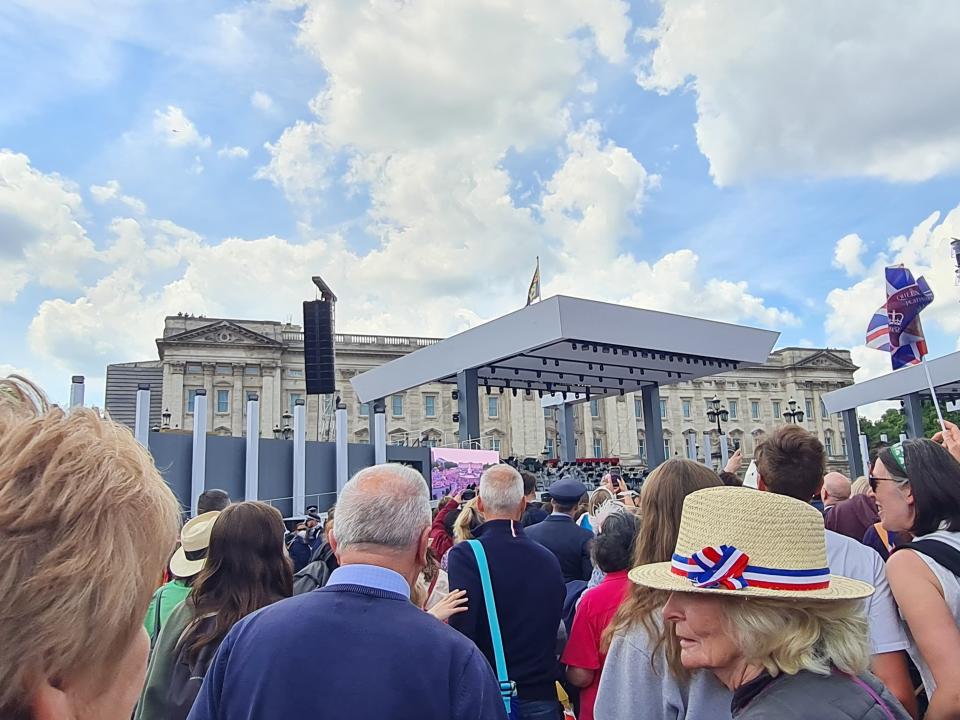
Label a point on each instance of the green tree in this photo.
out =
(893, 422)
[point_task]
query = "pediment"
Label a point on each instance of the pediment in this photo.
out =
(223, 332)
(826, 359)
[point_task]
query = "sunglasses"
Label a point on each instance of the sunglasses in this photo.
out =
(873, 480)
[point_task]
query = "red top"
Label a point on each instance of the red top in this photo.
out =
(438, 534)
(595, 611)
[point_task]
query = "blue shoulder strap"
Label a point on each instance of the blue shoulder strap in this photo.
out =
(507, 688)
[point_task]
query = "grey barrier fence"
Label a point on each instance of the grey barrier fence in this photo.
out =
(225, 464)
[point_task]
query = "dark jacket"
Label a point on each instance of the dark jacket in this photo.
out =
(533, 514)
(300, 552)
(852, 517)
(806, 696)
(569, 542)
(529, 592)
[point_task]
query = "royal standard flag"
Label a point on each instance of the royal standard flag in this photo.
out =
(533, 292)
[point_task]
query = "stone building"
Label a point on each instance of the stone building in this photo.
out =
(230, 358)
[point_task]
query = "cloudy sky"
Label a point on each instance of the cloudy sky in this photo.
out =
(751, 162)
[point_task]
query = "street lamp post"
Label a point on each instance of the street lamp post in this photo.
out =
(794, 414)
(287, 430)
(718, 413)
(165, 419)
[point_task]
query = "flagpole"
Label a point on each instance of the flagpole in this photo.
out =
(933, 392)
(539, 281)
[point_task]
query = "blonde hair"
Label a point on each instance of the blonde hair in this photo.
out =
(468, 519)
(787, 636)
(662, 499)
(72, 607)
(860, 486)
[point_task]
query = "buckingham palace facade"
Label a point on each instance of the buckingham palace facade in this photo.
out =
(231, 358)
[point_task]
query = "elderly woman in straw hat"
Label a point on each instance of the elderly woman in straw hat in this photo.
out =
(72, 641)
(753, 601)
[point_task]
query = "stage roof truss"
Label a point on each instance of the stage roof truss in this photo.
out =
(573, 345)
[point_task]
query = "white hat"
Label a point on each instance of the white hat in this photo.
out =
(189, 558)
(744, 542)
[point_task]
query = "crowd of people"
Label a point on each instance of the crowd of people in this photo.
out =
(808, 597)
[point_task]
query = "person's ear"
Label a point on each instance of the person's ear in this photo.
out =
(761, 485)
(422, 546)
(523, 506)
(820, 490)
(480, 505)
(50, 703)
(907, 491)
(332, 539)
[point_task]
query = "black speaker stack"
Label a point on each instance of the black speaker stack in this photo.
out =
(318, 346)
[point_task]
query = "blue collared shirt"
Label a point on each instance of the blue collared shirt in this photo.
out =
(373, 576)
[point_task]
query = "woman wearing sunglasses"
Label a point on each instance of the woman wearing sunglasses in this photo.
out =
(917, 486)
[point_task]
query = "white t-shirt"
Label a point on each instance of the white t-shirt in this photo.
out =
(852, 559)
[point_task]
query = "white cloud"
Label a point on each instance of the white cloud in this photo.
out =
(590, 200)
(112, 191)
(177, 130)
(237, 151)
(814, 88)
(197, 167)
(848, 254)
(299, 162)
(41, 238)
(422, 102)
(261, 101)
(424, 74)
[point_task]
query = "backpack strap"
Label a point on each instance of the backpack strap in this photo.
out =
(156, 620)
(941, 552)
(884, 708)
(507, 688)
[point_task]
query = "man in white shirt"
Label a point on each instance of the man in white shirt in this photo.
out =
(792, 462)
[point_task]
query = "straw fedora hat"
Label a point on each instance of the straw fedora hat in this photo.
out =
(745, 542)
(189, 558)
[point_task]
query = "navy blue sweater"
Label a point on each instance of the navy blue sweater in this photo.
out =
(529, 592)
(347, 652)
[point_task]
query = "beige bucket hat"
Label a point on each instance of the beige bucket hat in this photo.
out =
(745, 542)
(189, 558)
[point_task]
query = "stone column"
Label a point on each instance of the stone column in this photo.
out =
(278, 399)
(173, 398)
(269, 416)
(237, 402)
(588, 429)
(208, 370)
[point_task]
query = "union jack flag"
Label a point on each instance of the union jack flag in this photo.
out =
(878, 336)
(895, 327)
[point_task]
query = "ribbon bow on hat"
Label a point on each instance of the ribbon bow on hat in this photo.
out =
(719, 567)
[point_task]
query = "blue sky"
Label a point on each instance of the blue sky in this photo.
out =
(697, 157)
